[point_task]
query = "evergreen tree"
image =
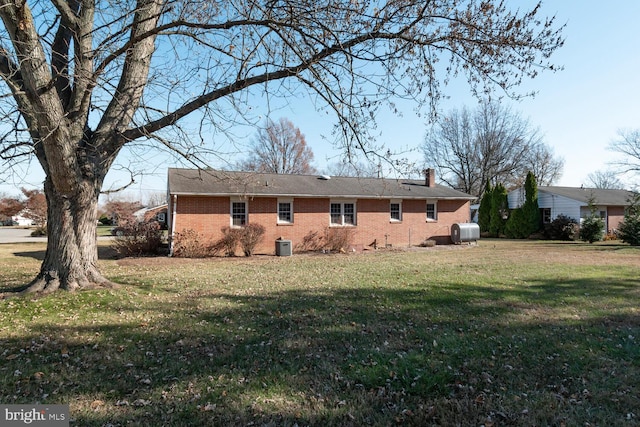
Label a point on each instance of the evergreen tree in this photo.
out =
(499, 210)
(525, 221)
(515, 226)
(592, 227)
(484, 212)
(629, 228)
(530, 210)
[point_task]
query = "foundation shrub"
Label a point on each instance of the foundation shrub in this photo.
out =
(339, 239)
(138, 239)
(313, 241)
(249, 237)
(228, 243)
(190, 244)
(561, 228)
(331, 239)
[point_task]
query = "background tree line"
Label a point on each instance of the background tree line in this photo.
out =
(491, 143)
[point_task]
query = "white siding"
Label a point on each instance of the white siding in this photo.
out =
(515, 198)
(559, 205)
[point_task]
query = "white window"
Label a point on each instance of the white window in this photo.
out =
(432, 211)
(546, 215)
(395, 210)
(343, 213)
(238, 213)
(285, 211)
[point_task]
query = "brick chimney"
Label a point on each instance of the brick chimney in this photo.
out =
(430, 177)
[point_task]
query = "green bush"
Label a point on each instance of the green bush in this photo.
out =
(561, 228)
(629, 229)
(530, 210)
(592, 229)
(484, 211)
(499, 210)
(525, 221)
(40, 231)
(105, 220)
(515, 227)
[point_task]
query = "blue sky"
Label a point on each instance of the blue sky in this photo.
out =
(578, 110)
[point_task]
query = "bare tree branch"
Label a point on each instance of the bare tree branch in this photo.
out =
(491, 144)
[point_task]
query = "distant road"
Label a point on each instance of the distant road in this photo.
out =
(23, 235)
(18, 235)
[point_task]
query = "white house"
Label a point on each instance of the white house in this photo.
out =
(22, 221)
(574, 203)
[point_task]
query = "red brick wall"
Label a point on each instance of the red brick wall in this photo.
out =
(615, 215)
(208, 215)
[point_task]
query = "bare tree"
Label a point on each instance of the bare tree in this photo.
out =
(546, 168)
(629, 146)
(491, 144)
(156, 198)
(280, 147)
(604, 179)
(87, 79)
(358, 169)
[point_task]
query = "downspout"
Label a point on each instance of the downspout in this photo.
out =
(173, 223)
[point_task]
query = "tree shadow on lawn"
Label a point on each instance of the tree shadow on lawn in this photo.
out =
(104, 252)
(362, 356)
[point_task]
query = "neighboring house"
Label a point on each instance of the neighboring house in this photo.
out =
(381, 212)
(155, 213)
(22, 221)
(574, 203)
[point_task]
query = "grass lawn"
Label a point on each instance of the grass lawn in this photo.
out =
(504, 333)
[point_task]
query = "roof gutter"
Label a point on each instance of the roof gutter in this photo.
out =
(327, 196)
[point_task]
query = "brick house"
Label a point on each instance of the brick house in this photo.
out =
(380, 212)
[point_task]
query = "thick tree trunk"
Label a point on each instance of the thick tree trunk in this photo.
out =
(71, 260)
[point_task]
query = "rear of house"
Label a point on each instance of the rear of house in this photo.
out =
(376, 212)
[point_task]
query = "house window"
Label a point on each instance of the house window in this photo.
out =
(546, 215)
(432, 211)
(285, 211)
(395, 211)
(238, 214)
(343, 213)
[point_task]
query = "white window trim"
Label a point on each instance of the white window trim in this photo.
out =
(435, 210)
(399, 203)
(342, 202)
(246, 211)
(290, 202)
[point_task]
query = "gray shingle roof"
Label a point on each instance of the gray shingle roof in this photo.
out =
(604, 197)
(226, 183)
